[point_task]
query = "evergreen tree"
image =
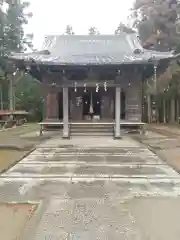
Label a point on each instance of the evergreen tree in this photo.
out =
(12, 38)
(16, 19)
(29, 96)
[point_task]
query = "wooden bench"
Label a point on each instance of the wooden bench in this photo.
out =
(50, 124)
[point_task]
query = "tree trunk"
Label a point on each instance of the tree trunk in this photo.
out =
(11, 95)
(157, 114)
(1, 97)
(177, 110)
(164, 110)
(149, 107)
(14, 97)
(172, 111)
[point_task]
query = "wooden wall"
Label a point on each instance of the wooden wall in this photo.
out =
(133, 102)
(132, 86)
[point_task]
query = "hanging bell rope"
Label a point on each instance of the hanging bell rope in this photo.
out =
(75, 87)
(105, 86)
(85, 89)
(97, 87)
(91, 105)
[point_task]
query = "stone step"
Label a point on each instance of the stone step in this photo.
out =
(91, 134)
(91, 126)
(91, 130)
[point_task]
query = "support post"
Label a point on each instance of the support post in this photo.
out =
(118, 113)
(65, 113)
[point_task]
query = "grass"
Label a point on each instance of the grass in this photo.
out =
(9, 157)
(17, 131)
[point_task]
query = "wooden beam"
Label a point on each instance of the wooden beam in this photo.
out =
(110, 83)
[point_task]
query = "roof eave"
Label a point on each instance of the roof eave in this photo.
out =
(151, 57)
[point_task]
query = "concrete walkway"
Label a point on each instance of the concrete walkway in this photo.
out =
(96, 189)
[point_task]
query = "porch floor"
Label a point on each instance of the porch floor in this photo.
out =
(90, 122)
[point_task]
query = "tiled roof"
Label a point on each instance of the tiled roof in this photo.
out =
(92, 50)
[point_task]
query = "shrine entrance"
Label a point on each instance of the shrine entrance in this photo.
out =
(91, 104)
(91, 101)
(86, 104)
(96, 104)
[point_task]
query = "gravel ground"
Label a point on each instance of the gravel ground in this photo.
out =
(13, 219)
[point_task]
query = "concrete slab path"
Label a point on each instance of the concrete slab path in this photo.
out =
(96, 188)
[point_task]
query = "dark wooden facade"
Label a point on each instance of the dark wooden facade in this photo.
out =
(92, 92)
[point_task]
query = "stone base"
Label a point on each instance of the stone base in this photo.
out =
(117, 137)
(65, 137)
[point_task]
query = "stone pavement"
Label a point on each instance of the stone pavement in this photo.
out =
(96, 189)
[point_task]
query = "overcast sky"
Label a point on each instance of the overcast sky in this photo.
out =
(52, 17)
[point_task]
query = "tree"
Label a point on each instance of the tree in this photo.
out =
(158, 25)
(16, 18)
(29, 96)
(12, 39)
(157, 22)
(3, 45)
(93, 31)
(123, 28)
(69, 30)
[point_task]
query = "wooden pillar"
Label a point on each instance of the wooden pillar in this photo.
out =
(65, 113)
(117, 113)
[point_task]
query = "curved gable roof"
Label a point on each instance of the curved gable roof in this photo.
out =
(92, 50)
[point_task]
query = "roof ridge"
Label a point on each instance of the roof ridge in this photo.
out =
(91, 36)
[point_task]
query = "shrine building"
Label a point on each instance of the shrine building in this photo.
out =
(92, 80)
